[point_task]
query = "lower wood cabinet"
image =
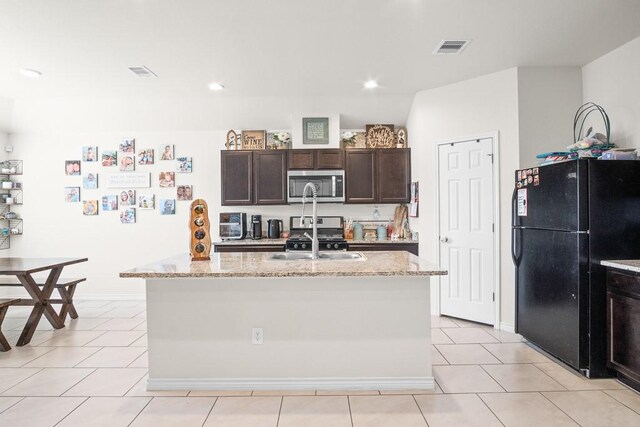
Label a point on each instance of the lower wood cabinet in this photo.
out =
(623, 326)
(248, 248)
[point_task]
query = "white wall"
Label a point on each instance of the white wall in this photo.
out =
(477, 106)
(613, 81)
(49, 132)
(6, 109)
(547, 100)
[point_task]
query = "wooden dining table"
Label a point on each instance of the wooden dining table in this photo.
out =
(23, 269)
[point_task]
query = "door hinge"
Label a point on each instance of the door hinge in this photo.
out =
(493, 296)
(490, 155)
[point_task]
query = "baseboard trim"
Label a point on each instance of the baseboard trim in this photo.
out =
(387, 383)
(507, 327)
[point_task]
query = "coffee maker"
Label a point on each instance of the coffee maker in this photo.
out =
(256, 227)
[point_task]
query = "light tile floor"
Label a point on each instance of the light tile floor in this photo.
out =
(93, 373)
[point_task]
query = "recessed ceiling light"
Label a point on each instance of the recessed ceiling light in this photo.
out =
(215, 86)
(30, 72)
(371, 84)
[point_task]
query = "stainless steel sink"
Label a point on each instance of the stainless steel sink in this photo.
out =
(322, 256)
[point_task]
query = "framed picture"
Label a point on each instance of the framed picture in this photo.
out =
(167, 206)
(127, 145)
(71, 194)
(167, 152)
(128, 216)
(127, 162)
(184, 192)
(90, 154)
(127, 198)
(109, 158)
(145, 157)
(253, 139)
(110, 203)
(278, 140)
(184, 164)
(315, 130)
(90, 181)
(72, 167)
(90, 207)
(147, 201)
(167, 179)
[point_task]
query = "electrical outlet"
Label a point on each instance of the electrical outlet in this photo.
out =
(257, 336)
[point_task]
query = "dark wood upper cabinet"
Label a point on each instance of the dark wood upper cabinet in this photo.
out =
(270, 177)
(316, 159)
(394, 175)
(329, 159)
(237, 178)
(360, 176)
(301, 159)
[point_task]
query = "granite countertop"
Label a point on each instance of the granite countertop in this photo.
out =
(626, 264)
(276, 242)
(259, 264)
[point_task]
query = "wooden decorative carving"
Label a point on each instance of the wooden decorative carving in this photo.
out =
(380, 136)
(199, 225)
(232, 140)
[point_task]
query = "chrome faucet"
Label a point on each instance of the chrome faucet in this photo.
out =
(314, 213)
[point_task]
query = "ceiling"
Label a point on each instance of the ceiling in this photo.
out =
(296, 49)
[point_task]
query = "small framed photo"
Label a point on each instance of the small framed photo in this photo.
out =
(90, 181)
(167, 179)
(145, 157)
(71, 194)
(127, 198)
(128, 216)
(315, 130)
(109, 158)
(167, 206)
(147, 201)
(167, 152)
(184, 192)
(184, 164)
(90, 154)
(90, 207)
(110, 203)
(127, 162)
(127, 145)
(72, 167)
(253, 140)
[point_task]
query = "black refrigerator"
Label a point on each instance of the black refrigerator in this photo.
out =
(567, 217)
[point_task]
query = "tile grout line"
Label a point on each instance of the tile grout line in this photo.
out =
(210, 410)
(491, 376)
(559, 408)
(20, 399)
(420, 409)
(2, 391)
(552, 379)
(280, 410)
(141, 411)
(439, 352)
(349, 405)
(37, 357)
(72, 411)
(489, 408)
(620, 401)
(136, 383)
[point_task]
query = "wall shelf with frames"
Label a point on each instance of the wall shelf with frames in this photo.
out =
(10, 195)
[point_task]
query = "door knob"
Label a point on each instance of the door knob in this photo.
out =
(444, 239)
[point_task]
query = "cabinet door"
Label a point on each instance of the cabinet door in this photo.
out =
(329, 159)
(301, 159)
(270, 177)
(237, 174)
(623, 322)
(360, 176)
(394, 175)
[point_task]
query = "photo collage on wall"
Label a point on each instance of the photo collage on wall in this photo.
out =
(123, 160)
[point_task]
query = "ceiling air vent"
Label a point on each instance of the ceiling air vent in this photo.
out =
(451, 47)
(142, 71)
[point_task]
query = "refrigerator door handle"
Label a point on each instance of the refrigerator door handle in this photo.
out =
(514, 230)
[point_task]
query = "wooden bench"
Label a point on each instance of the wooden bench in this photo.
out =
(4, 306)
(66, 288)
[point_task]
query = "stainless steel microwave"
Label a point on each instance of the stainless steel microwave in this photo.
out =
(329, 185)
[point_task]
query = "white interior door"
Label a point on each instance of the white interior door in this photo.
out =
(466, 229)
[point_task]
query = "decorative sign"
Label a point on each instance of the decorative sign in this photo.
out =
(380, 136)
(315, 130)
(253, 139)
(233, 141)
(129, 180)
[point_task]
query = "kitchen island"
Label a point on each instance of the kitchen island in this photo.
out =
(247, 321)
